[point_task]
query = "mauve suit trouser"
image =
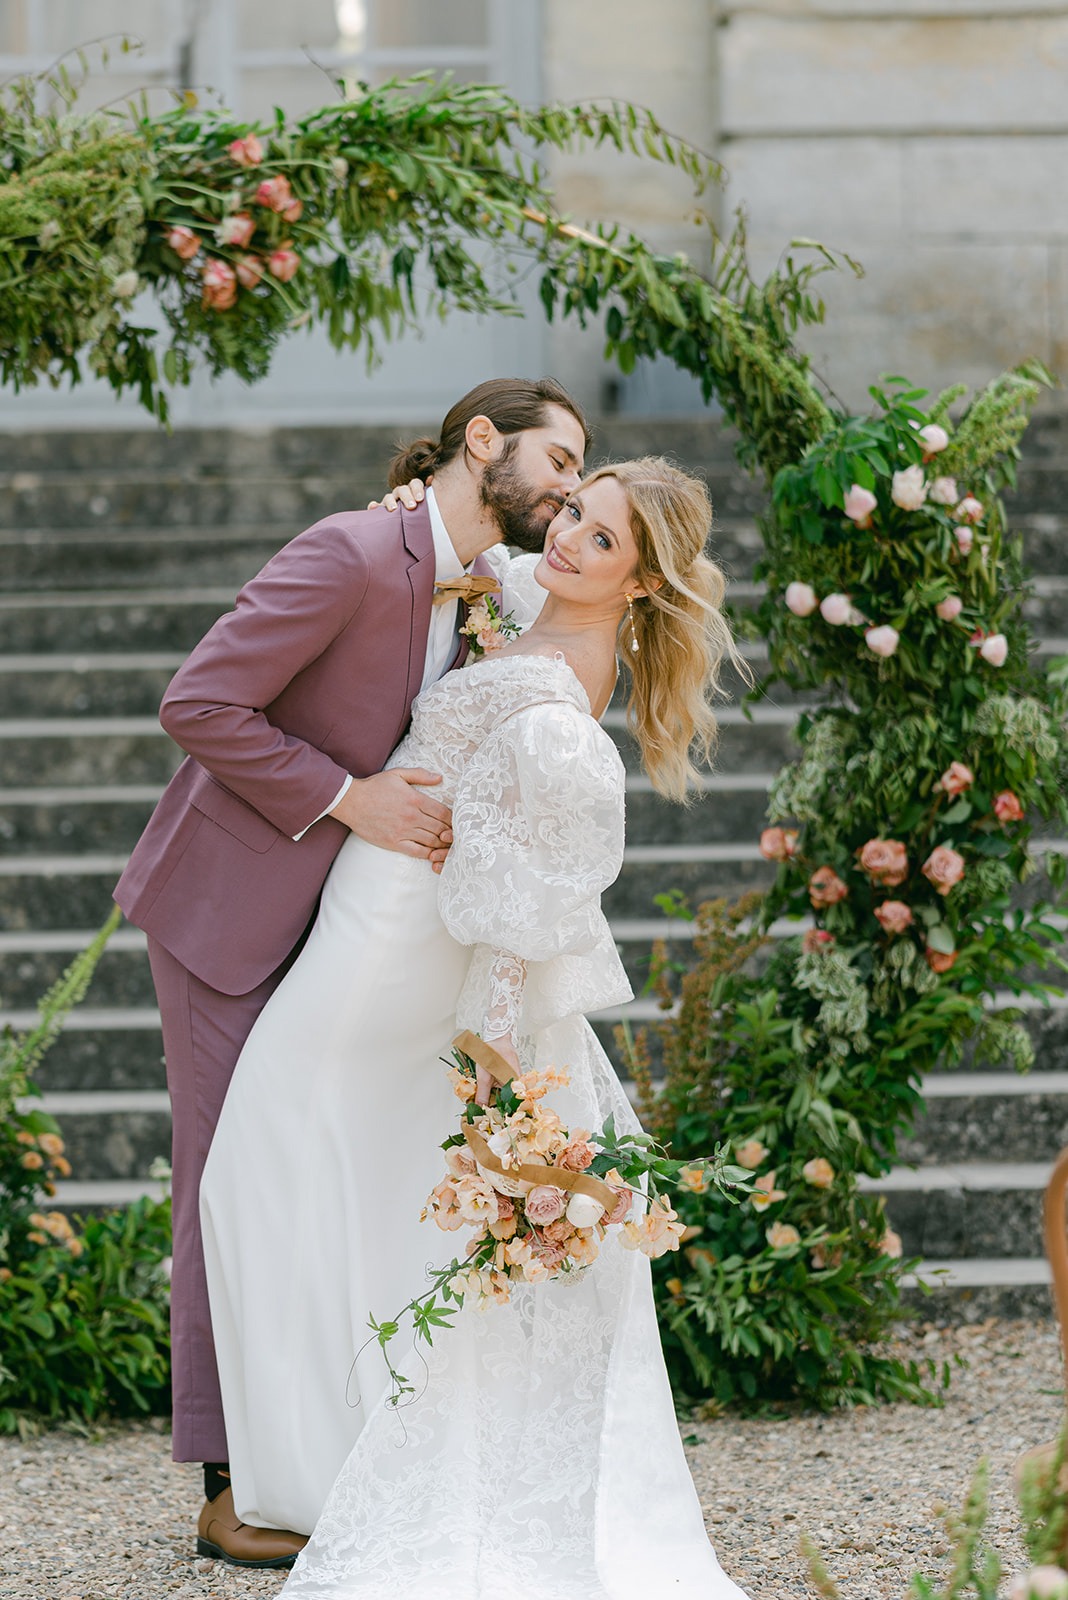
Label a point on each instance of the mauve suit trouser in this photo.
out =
(203, 1033)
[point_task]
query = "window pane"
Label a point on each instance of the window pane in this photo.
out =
(310, 25)
(428, 22)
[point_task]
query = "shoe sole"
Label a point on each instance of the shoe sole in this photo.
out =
(215, 1553)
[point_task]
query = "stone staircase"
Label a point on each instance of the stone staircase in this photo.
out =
(117, 551)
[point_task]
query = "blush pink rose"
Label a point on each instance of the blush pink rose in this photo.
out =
(944, 492)
(1007, 807)
(184, 242)
(274, 193)
(893, 916)
(249, 271)
(965, 540)
(859, 505)
(994, 649)
(778, 844)
(236, 230)
(890, 1244)
(293, 211)
(576, 1155)
(908, 488)
(825, 887)
(283, 264)
(956, 778)
(801, 599)
(934, 438)
(970, 509)
(882, 641)
(818, 1172)
(219, 286)
(944, 867)
(950, 607)
(783, 1236)
(816, 939)
(247, 152)
(885, 861)
(621, 1210)
(544, 1204)
(837, 609)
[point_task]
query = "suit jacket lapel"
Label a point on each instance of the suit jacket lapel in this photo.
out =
(480, 568)
(419, 543)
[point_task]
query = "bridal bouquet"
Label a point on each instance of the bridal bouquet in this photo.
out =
(539, 1197)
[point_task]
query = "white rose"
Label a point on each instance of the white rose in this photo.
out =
(583, 1211)
(943, 491)
(883, 641)
(908, 489)
(994, 649)
(125, 285)
(801, 599)
(934, 438)
(970, 509)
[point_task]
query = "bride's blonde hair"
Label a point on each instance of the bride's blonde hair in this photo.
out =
(681, 632)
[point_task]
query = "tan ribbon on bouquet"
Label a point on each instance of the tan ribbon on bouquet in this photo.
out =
(467, 589)
(484, 1055)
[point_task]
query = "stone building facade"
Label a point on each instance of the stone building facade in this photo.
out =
(927, 138)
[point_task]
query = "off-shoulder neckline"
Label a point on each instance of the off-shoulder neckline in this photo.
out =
(557, 659)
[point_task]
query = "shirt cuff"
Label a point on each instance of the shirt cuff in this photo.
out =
(342, 792)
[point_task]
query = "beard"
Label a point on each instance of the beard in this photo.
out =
(519, 510)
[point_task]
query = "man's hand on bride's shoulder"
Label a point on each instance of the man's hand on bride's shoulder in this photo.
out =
(408, 495)
(395, 811)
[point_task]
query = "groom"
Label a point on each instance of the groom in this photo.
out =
(287, 710)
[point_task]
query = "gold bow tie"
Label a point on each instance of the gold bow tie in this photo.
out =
(466, 589)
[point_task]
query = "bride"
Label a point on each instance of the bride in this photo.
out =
(540, 1458)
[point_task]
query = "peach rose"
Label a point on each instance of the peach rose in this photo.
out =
(283, 264)
(544, 1204)
(236, 230)
(943, 492)
(778, 844)
(939, 960)
(695, 1179)
(751, 1154)
(837, 609)
(1007, 807)
(893, 916)
(908, 488)
(950, 608)
(825, 887)
(765, 1193)
(965, 539)
(247, 152)
(890, 1244)
(969, 510)
(782, 1236)
(33, 1161)
(885, 861)
(822, 1259)
(818, 1172)
(184, 242)
(956, 778)
(994, 649)
(460, 1161)
(815, 939)
(943, 868)
(584, 1249)
(51, 1144)
(801, 599)
(219, 286)
(577, 1154)
(859, 505)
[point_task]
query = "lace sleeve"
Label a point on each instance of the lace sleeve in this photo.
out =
(537, 836)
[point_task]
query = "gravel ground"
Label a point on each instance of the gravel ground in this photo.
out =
(110, 1517)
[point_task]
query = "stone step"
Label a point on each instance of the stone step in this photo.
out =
(78, 752)
(1009, 1287)
(126, 684)
(101, 817)
(982, 1209)
(150, 620)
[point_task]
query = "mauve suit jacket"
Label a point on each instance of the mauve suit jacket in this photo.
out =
(311, 677)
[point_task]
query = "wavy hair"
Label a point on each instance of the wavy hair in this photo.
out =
(681, 631)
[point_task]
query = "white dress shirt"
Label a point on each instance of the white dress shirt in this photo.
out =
(444, 620)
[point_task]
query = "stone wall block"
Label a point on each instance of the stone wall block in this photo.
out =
(787, 74)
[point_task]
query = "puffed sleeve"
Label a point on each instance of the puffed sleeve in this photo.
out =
(537, 837)
(521, 596)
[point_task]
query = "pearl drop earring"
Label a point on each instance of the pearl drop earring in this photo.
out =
(633, 629)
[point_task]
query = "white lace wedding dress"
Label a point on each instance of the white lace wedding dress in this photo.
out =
(540, 1459)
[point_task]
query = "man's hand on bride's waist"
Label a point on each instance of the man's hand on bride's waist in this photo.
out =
(396, 811)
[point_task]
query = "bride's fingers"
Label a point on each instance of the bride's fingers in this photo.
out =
(483, 1086)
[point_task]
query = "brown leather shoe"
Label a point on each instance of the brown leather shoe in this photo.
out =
(221, 1535)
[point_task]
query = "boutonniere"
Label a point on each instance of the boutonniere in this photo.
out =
(488, 627)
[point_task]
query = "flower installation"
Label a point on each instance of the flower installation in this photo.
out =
(540, 1198)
